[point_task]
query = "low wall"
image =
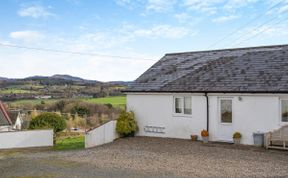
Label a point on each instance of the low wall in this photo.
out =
(25, 139)
(106, 133)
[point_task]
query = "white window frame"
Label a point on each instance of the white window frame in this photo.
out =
(182, 103)
(280, 109)
(219, 110)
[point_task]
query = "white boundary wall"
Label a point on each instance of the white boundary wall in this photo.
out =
(25, 139)
(106, 133)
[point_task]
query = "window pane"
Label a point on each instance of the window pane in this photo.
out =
(178, 105)
(187, 105)
(226, 111)
(284, 105)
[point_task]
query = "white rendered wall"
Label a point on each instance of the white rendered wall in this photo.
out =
(251, 113)
(157, 110)
(101, 135)
(24, 139)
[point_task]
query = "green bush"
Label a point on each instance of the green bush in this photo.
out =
(80, 110)
(126, 124)
(48, 120)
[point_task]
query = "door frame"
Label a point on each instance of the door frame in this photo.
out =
(221, 124)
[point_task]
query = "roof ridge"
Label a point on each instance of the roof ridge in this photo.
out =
(229, 49)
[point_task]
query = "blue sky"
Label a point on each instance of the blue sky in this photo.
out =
(135, 28)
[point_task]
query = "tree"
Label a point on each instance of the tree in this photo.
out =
(80, 110)
(48, 120)
(126, 124)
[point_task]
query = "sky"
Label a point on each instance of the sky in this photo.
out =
(140, 32)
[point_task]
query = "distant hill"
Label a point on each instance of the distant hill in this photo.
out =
(3, 78)
(59, 78)
(120, 83)
(67, 77)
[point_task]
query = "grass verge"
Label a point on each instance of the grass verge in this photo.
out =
(70, 143)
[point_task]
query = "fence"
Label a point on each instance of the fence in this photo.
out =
(106, 133)
(25, 139)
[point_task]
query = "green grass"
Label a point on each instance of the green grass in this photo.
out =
(8, 91)
(33, 101)
(115, 100)
(70, 143)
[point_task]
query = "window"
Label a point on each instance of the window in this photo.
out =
(226, 110)
(284, 110)
(187, 105)
(183, 105)
(178, 105)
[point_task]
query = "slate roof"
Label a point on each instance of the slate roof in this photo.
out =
(255, 69)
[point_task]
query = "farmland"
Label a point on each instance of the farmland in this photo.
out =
(115, 101)
(58, 87)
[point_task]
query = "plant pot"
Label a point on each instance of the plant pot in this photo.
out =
(236, 141)
(194, 137)
(205, 139)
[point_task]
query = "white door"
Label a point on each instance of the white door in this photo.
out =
(225, 123)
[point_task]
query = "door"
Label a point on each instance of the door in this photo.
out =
(225, 123)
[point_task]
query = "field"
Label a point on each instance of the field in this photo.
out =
(116, 101)
(15, 91)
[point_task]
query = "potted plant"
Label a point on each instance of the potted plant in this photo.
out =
(237, 138)
(194, 137)
(205, 136)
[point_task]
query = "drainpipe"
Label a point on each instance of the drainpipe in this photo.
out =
(207, 111)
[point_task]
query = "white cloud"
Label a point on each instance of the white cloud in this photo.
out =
(283, 9)
(234, 4)
(123, 2)
(213, 6)
(225, 18)
(90, 67)
(160, 5)
(182, 17)
(207, 6)
(35, 12)
(27, 36)
(164, 31)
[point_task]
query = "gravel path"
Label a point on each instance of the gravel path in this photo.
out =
(149, 157)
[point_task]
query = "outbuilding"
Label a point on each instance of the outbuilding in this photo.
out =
(223, 91)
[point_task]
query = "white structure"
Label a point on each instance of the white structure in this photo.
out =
(26, 139)
(223, 91)
(106, 133)
(18, 123)
(16, 118)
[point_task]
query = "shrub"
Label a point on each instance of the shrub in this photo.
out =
(204, 133)
(48, 120)
(80, 110)
(126, 124)
(237, 135)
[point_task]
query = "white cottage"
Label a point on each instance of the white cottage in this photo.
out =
(223, 91)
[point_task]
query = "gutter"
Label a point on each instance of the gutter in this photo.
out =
(224, 92)
(207, 111)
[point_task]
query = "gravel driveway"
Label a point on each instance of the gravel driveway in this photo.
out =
(148, 157)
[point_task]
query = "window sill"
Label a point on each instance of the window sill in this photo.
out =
(283, 123)
(225, 123)
(182, 115)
